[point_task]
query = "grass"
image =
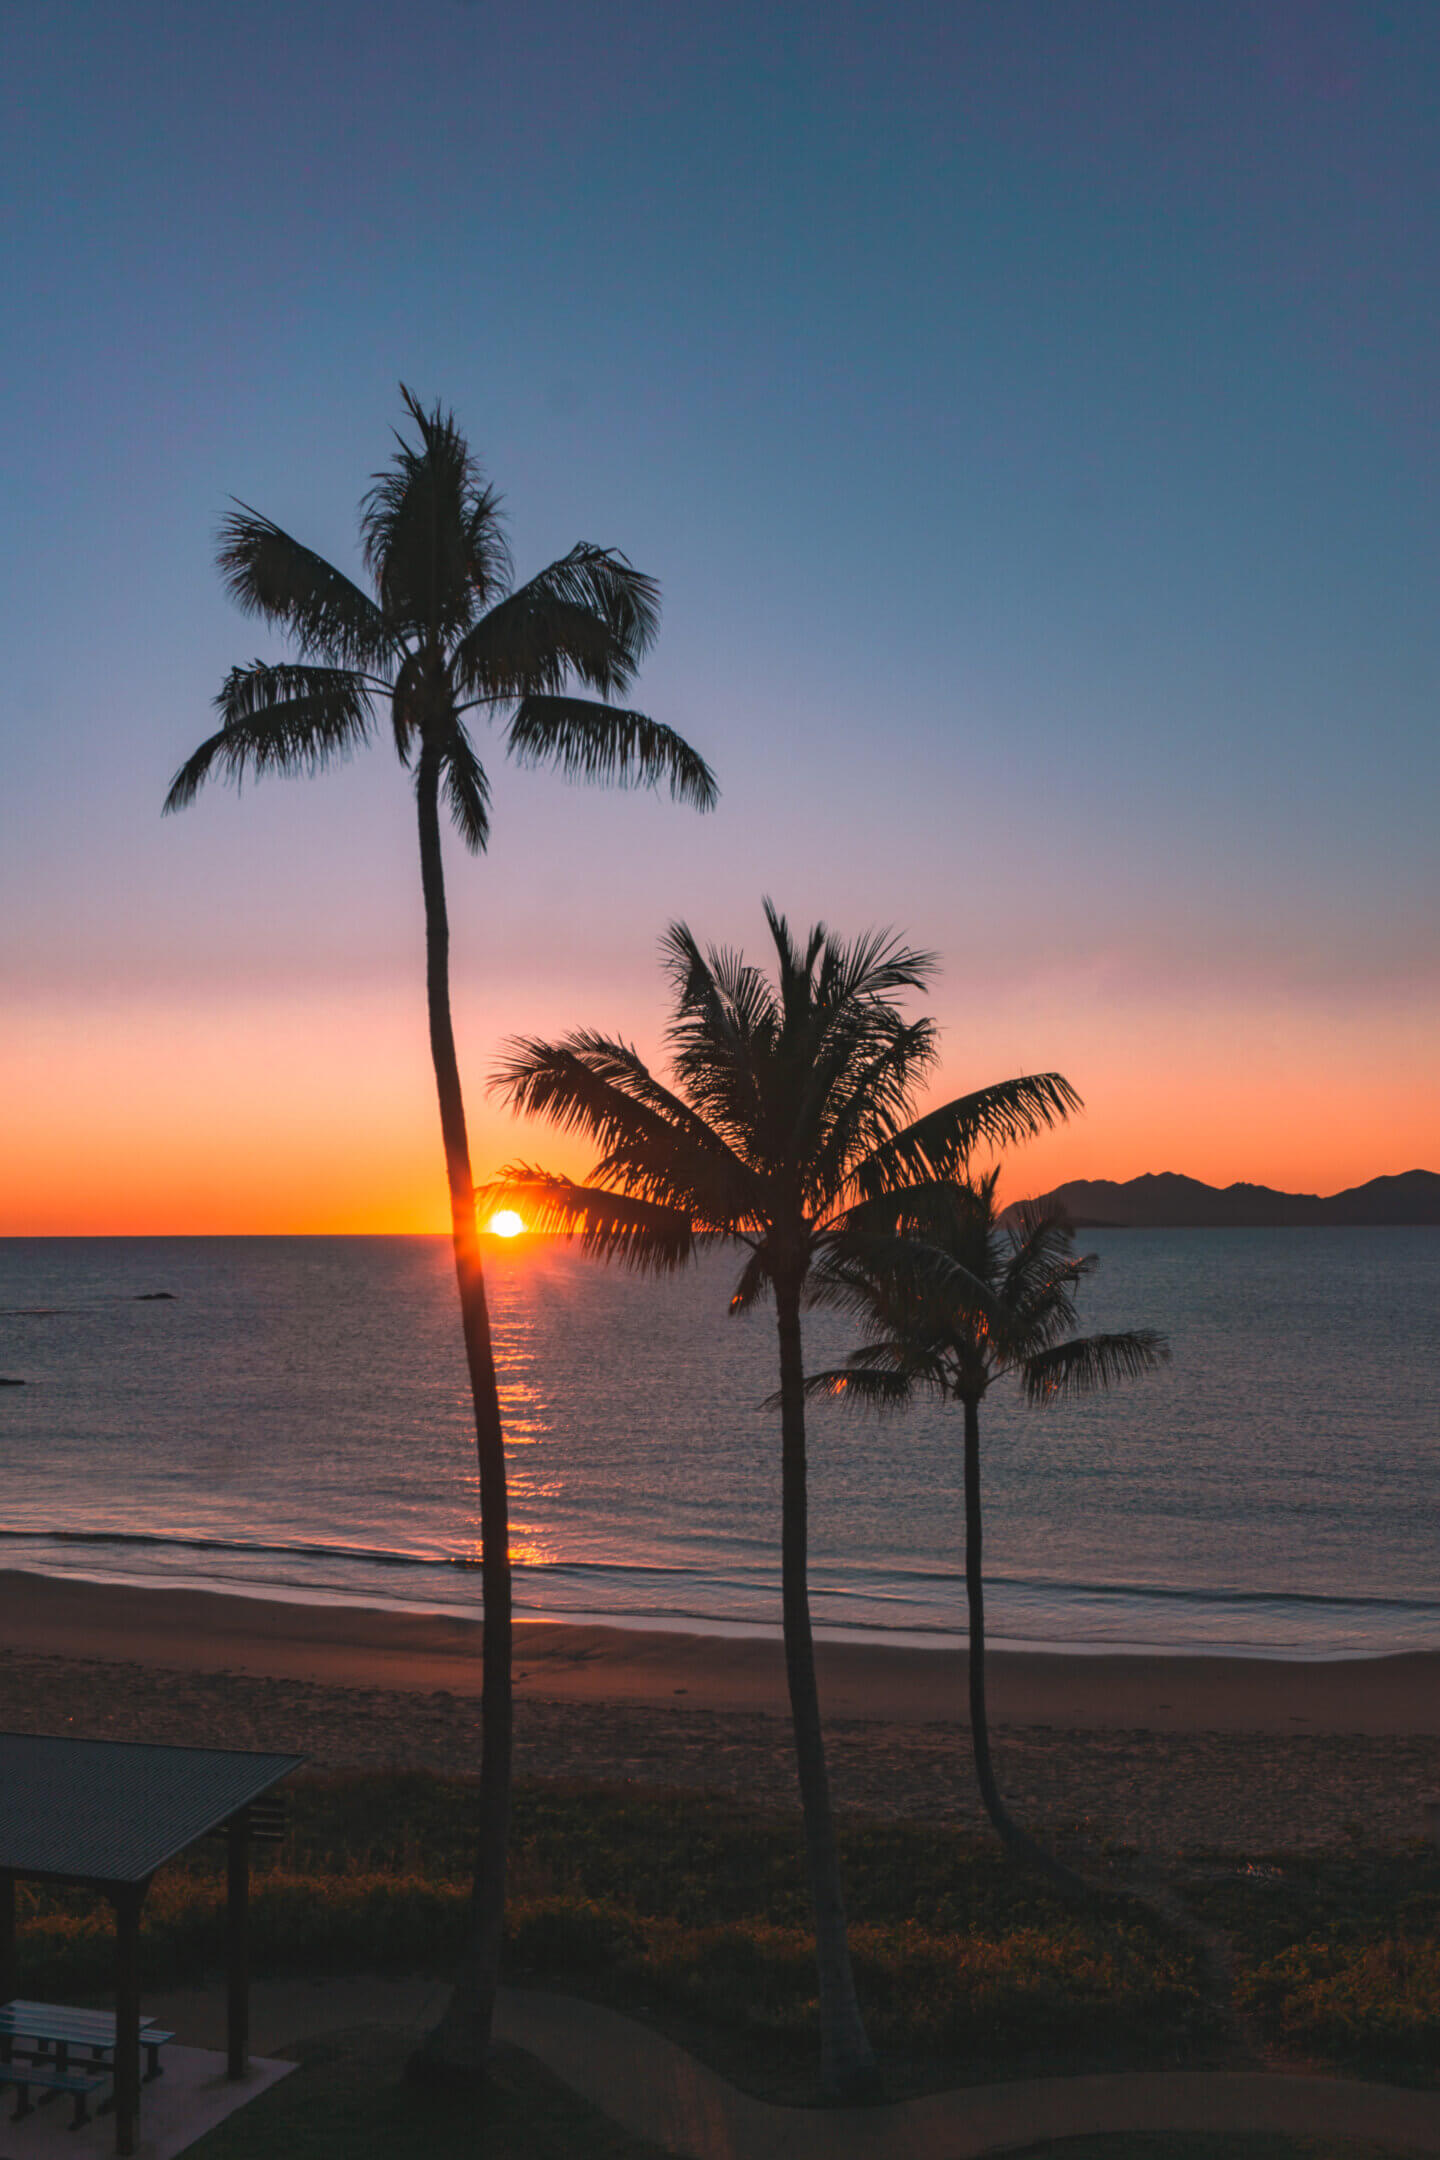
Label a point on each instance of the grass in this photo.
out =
(691, 1911)
(1336, 1955)
(348, 2101)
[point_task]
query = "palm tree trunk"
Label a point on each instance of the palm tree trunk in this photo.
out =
(1014, 1839)
(847, 2064)
(461, 2041)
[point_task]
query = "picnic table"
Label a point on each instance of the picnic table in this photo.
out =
(36, 2040)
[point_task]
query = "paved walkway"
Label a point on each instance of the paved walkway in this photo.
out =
(192, 2097)
(657, 2091)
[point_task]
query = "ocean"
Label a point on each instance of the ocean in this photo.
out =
(290, 1419)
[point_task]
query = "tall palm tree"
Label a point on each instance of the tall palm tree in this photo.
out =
(445, 633)
(967, 1301)
(791, 1115)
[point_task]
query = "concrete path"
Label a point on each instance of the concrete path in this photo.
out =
(193, 2096)
(657, 2091)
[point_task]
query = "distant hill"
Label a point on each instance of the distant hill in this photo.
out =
(1169, 1202)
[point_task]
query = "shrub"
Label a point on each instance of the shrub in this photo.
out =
(1375, 2001)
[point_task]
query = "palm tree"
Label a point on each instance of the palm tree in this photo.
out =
(791, 1115)
(964, 1302)
(446, 633)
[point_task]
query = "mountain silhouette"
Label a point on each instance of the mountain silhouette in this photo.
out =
(1171, 1202)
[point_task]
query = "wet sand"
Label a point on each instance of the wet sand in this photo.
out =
(1160, 1752)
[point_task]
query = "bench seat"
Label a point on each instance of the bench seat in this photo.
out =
(79, 2084)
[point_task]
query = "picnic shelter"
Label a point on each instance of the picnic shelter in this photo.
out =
(105, 1815)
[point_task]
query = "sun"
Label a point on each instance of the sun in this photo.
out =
(506, 1224)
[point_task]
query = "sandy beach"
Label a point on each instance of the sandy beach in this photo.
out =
(1159, 1752)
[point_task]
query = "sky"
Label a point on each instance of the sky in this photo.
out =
(1028, 407)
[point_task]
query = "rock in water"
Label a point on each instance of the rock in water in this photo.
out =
(6, 1381)
(154, 1297)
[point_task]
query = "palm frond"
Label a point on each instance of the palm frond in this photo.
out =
(726, 1019)
(794, 968)
(939, 1145)
(467, 791)
(586, 616)
(1091, 1364)
(270, 574)
(653, 1143)
(431, 534)
(868, 1390)
(606, 584)
(589, 616)
(752, 1286)
(407, 704)
(1041, 1272)
(286, 719)
(531, 644)
(898, 1283)
(587, 741)
(926, 1210)
(870, 967)
(859, 1097)
(643, 1235)
(718, 990)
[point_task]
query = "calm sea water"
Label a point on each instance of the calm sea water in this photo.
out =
(293, 1420)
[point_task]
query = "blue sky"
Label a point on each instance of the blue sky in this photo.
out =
(1030, 413)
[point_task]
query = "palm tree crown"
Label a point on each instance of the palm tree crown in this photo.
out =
(445, 633)
(969, 1298)
(791, 1125)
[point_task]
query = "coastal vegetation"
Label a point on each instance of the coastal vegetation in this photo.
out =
(446, 633)
(1336, 1955)
(1000, 1304)
(691, 1910)
(789, 1130)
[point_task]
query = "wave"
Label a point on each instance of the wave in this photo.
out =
(895, 1586)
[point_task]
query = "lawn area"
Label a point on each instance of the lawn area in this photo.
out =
(349, 2101)
(691, 1911)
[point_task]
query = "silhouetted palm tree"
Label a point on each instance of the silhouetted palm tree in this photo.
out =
(791, 1114)
(447, 633)
(960, 1304)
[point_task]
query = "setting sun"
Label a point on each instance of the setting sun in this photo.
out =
(506, 1224)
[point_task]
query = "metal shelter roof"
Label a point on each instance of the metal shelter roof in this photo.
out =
(112, 1811)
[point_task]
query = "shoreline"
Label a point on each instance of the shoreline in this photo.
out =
(689, 1620)
(422, 1653)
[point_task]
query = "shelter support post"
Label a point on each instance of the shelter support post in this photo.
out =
(127, 1900)
(7, 1951)
(237, 1948)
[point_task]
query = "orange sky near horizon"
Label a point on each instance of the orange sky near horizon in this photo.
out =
(317, 1114)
